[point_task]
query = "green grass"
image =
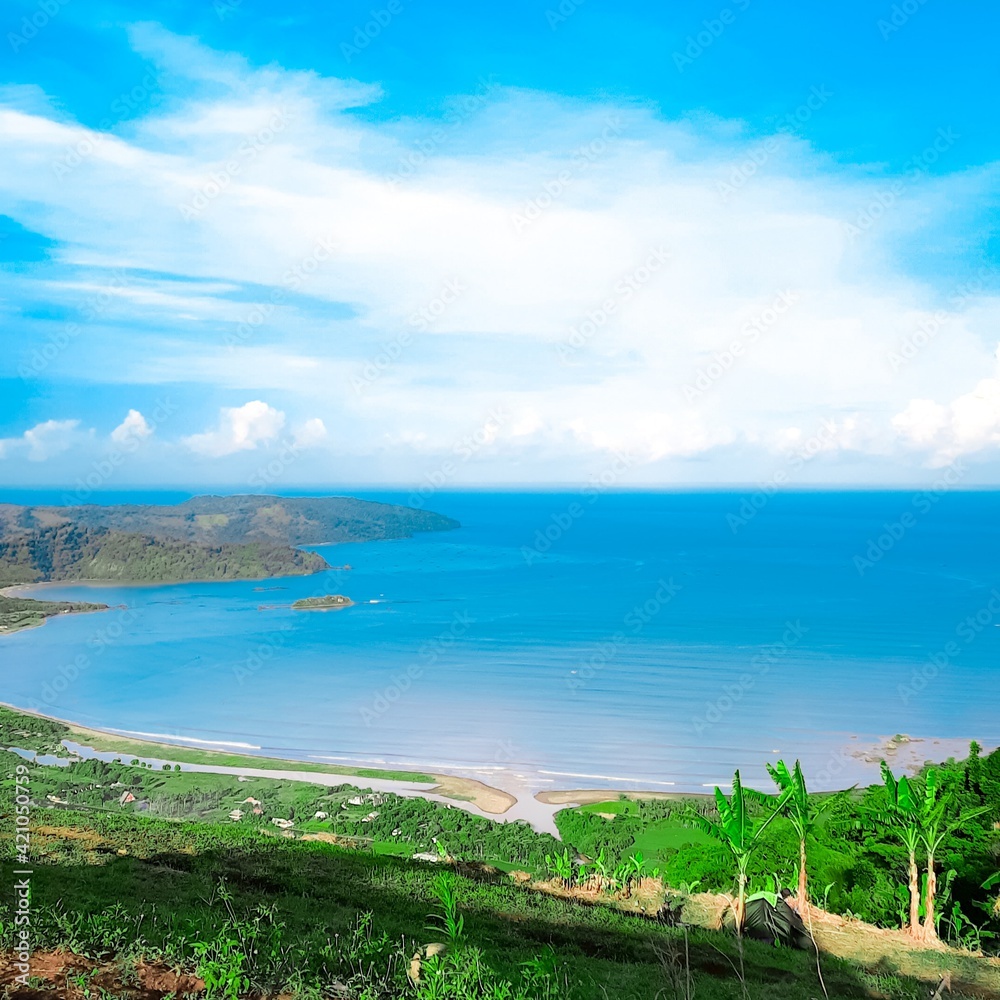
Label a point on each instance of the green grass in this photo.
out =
(620, 807)
(19, 613)
(150, 887)
(652, 840)
(667, 835)
(170, 875)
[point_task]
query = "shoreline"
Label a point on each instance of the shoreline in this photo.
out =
(513, 796)
(8, 592)
(490, 801)
(135, 584)
(590, 796)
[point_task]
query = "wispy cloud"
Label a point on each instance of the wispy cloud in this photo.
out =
(278, 166)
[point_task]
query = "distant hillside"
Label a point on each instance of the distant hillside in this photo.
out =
(206, 538)
(68, 552)
(237, 519)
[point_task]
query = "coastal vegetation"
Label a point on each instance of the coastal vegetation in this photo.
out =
(17, 613)
(206, 538)
(290, 521)
(863, 848)
(39, 734)
(125, 902)
(327, 603)
(69, 552)
(740, 832)
(312, 884)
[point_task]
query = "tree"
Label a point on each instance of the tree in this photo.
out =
(934, 805)
(739, 832)
(901, 819)
(801, 812)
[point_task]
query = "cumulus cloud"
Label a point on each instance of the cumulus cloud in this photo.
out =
(134, 427)
(970, 423)
(43, 441)
(313, 432)
(240, 428)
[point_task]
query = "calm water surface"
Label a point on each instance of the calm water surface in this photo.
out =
(569, 639)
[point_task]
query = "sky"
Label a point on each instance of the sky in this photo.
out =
(256, 245)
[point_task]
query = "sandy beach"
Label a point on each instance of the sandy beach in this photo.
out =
(453, 789)
(587, 796)
(512, 795)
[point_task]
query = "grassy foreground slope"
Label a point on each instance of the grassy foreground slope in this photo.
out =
(260, 914)
(148, 882)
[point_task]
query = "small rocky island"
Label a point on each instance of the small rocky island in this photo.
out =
(327, 603)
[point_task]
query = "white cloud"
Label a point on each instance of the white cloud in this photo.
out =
(43, 441)
(579, 274)
(241, 428)
(968, 424)
(134, 427)
(310, 434)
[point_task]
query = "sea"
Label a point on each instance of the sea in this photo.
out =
(567, 640)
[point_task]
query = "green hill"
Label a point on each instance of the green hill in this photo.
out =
(206, 538)
(69, 552)
(237, 519)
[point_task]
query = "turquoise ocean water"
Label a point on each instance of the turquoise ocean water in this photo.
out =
(580, 640)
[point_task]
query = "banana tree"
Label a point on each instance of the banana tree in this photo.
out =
(631, 871)
(900, 818)
(991, 883)
(740, 833)
(935, 804)
(561, 865)
(601, 870)
(802, 812)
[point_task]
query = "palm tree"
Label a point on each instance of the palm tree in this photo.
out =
(801, 812)
(739, 832)
(935, 803)
(900, 818)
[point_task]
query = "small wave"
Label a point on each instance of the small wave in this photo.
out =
(407, 764)
(607, 777)
(186, 739)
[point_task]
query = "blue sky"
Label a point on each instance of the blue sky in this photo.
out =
(256, 244)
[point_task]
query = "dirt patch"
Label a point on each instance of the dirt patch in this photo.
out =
(880, 947)
(873, 948)
(72, 977)
(163, 980)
